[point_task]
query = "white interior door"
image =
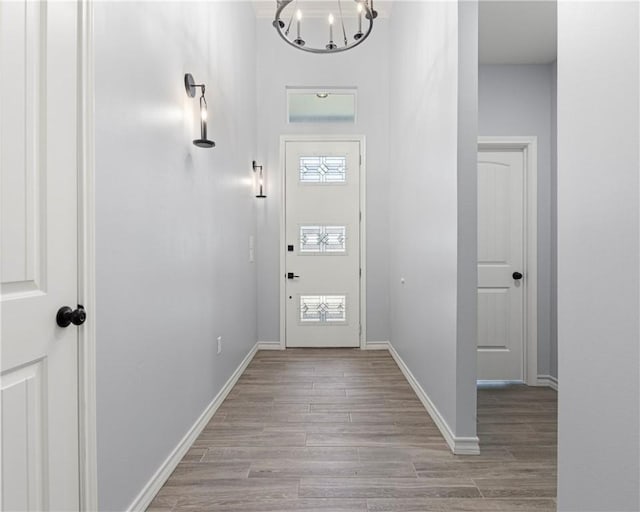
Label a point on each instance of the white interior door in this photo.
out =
(38, 159)
(500, 258)
(322, 224)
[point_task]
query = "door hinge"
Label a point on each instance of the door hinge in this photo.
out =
(360, 216)
(360, 157)
(360, 272)
(360, 330)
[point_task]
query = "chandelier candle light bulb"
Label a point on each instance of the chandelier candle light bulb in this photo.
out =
(331, 46)
(358, 35)
(330, 28)
(298, 40)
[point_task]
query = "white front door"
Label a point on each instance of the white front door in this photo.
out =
(322, 224)
(38, 164)
(500, 261)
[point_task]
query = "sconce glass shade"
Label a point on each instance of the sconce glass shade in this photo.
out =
(258, 181)
(203, 142)
(190, 87)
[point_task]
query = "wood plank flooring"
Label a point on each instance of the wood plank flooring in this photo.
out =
(341, 430)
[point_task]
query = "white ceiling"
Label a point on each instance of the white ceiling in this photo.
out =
(518, 31)
(510, 31)
(318, 8)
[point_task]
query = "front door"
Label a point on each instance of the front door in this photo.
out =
(500, 265)
(38, 164)
(322, 225)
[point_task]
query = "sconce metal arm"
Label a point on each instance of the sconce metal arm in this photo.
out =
(190, 85)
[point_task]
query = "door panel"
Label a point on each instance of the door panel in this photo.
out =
(22, 194)
(38, 273)
(500, 254)
(23, 431)
(322, 224)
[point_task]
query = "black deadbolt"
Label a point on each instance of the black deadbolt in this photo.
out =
(517, 276)
(67, 316)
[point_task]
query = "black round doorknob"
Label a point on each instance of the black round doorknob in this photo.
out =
(517, 276)
(67, 316)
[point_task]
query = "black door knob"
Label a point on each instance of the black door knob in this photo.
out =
(517, 276)
(67, 316)
(291, 275)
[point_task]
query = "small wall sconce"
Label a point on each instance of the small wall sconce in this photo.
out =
(258, 180)
(190, 86)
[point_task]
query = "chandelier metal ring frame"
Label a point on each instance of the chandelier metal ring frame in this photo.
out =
(284, 28)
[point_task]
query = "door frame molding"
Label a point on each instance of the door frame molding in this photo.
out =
(529, 147)
(87, 419)
(361, 139)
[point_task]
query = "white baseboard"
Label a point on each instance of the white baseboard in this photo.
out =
(269, 345)
(458, 445)
(549, 381)
(499, 382)
(376, 345)
(144, 499)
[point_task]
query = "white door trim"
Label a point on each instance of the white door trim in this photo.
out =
(363, 224)
(529, 147)
(87, 428)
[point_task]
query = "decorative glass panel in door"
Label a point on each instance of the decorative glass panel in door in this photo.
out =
(323, 239)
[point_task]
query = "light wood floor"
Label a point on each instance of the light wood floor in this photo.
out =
(341, 430)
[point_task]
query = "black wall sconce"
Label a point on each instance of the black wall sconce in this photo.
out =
(190, 86)
(258, 180)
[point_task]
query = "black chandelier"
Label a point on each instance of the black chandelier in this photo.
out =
(288, 23)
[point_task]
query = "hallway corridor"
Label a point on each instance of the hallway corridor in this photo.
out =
(342, 430)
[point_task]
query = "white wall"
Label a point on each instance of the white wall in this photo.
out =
(553, 338)
(425, 127)
(365, 67)
(518, 100)
(599, 256)
(173, 223)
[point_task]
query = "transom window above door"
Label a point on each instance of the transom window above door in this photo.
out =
(321, 105)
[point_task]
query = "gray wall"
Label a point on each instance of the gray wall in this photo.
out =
(553, 338)
(173, 223)
(467, 291)
(366, 68)
(599, 256)
(519, 100)
(425, 128)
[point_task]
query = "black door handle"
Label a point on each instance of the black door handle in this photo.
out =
(291, 275)
(67, 316)
(517, 276)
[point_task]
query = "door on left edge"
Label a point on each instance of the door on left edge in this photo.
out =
(38, 256)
